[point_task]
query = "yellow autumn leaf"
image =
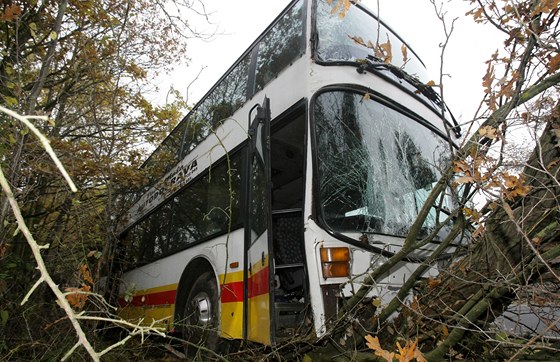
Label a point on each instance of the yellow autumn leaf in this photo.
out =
(464, 180)
(488, 132)
(404, 52)
(445, 331)
(375, 346)
(409, 352)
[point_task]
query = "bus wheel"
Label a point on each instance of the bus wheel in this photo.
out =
(201, 317)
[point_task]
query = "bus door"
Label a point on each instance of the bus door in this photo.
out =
(258, 268)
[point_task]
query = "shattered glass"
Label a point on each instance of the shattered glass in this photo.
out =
(376, 165)
(336, 34)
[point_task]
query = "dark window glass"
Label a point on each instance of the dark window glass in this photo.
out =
(280, 46)
(199, 211)
(258, 200)
(225, 99)
(203, 209)
(150, 239)
(228, 96)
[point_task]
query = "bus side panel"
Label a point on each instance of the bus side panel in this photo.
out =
(258, 328)
(149, 292)
(232, 304)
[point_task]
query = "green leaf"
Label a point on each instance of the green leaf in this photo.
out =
(33, 30)
(4, 315)
(10, 101)
(53, 35)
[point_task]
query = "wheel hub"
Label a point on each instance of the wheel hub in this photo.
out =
(202, 309)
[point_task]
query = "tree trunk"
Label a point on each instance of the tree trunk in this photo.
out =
(521, 239)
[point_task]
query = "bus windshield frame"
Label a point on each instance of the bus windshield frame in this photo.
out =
(375, 164)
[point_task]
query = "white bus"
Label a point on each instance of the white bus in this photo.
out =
(299, 171)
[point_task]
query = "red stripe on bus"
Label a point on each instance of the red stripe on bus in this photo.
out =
(152, 299)
(259, 283)
(232, 292)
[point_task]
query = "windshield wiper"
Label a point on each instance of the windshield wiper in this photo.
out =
(372, 63)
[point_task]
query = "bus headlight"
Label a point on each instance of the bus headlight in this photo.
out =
(335, 262)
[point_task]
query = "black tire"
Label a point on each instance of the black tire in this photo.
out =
(201, 318)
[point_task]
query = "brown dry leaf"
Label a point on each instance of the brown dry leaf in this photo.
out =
(488, 78)
(461, 166)
(431, 83)
(384, 51)
(86, 275)
(515, 186)
(433, 282)
(488, 132)
(358, 40)
(478, 232)
(546, 6)
(507, 88)
(404, 51)
(77, 297)
(464, 180)
(375, 346)
(3, 249)
(554, 63)
(11, 12)
(477, 14)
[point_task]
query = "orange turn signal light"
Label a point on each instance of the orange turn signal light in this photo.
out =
(335, 262)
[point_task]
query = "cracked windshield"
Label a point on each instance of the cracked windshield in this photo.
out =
(376, 165)
(340, 38)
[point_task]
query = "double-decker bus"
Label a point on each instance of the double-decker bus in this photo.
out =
(298, 172)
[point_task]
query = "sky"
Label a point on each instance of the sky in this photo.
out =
(238, 23)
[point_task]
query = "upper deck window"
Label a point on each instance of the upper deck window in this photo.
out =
(281, 46)
(277, 49)
(335, 43)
